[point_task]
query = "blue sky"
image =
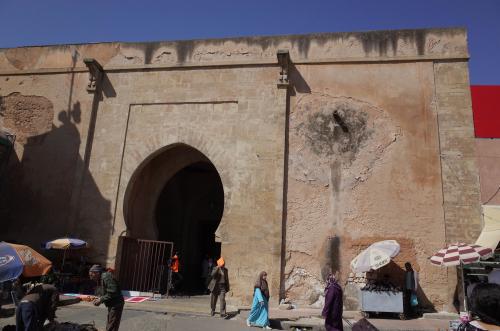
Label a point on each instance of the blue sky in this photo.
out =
(41, 22)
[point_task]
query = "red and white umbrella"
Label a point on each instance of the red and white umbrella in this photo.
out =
(460, 253)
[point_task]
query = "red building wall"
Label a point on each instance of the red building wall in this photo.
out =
(486, 109)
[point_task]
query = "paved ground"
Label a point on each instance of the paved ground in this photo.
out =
(193, 314)
(134, 320)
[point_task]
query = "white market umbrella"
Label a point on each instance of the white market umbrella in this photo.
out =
(376, 256)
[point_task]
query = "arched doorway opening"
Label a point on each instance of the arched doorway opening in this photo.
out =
(177, 196)
(188, 212)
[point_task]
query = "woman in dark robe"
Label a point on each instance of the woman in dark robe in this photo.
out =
(332, 311)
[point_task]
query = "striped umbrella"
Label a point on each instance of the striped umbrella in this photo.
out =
(65, 243)
(16, 260)
(460, 253)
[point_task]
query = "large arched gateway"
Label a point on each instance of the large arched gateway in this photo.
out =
(323, 143)
(176, 196)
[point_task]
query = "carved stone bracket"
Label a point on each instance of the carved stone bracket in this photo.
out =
(283, 61)
(95, 74)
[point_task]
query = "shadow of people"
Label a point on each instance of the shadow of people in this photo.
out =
(37, 199)
(396, 275)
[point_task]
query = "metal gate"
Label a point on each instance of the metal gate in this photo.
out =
(144, 264)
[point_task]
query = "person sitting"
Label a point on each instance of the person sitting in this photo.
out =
(485, 304)
(493, 275)
(36, 307)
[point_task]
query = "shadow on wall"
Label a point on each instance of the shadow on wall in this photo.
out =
(396, 275)
(298, 82)
(37, 199)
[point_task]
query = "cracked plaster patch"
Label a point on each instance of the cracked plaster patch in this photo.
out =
(26, 115)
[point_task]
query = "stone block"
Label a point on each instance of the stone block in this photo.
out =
(463, 223)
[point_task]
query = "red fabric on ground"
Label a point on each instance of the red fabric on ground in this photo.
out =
(136, 299)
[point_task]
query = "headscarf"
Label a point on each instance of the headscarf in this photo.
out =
(261, 284)
(331, 281)
(220, 262)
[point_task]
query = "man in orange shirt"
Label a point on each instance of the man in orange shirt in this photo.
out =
(175, 263)
(176, 276)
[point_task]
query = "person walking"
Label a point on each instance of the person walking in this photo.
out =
(259, 314)
(219, 286)
(333, 309)
(111, 296)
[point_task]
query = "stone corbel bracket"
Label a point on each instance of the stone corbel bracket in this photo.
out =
(95, 74)
(284, 62)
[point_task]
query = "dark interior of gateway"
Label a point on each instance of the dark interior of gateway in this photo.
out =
(188, 212)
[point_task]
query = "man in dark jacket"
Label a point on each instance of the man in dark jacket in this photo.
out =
(111, 296)
(219, 286)
(410, 291)
(37, 306)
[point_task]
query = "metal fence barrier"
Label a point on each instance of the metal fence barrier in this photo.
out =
(143, 265)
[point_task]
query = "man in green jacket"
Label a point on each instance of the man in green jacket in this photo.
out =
(110, 295)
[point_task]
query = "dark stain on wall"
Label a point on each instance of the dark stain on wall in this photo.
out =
(149, 49)
(382, 41)
(331, 263)
(372, 41)
(337, 131)
(184, 50)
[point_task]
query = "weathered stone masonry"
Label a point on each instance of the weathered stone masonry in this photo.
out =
(372, 139)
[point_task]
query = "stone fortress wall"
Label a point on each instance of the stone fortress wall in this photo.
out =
(370, 137)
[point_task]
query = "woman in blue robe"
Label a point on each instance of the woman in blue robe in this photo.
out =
(259, 314)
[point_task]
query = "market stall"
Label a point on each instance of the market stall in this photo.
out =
(71, 274)
(459, 255)
(382, 302)
(378, 295)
